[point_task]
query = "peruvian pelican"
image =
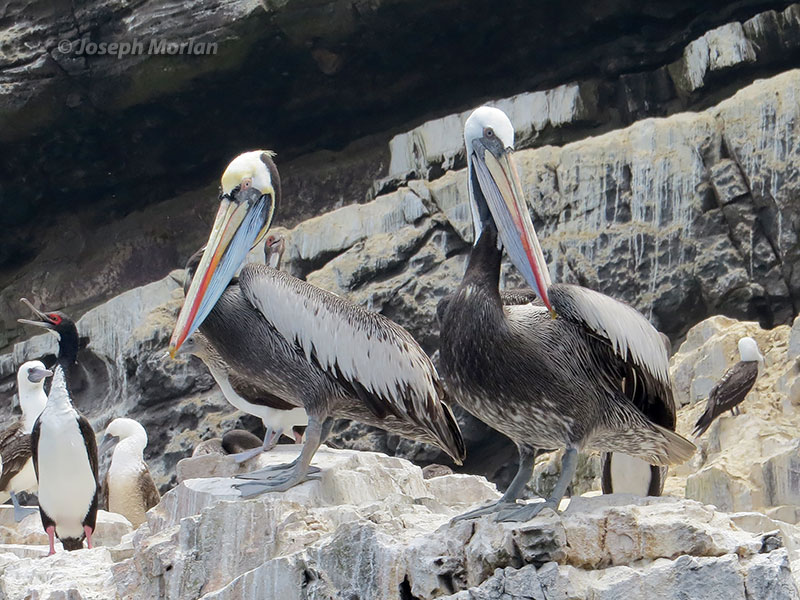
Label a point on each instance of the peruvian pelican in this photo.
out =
(305, 345)
(277, 415)
(733, 387)
(574, 371)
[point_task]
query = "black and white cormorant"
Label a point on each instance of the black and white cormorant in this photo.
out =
(64, 448)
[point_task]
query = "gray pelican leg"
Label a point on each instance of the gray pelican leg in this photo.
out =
(260, 473)
(284, 479)
(271, 438)
(20, 512)
(527, 457)
(526, 512)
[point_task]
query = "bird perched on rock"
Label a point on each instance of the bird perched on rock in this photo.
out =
(233, 442)
(306, 346)
(64, 448)
(15, 441)
(734, 386)
(128, 488)
(575, 371)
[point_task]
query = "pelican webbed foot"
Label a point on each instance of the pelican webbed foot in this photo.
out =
(267, 473)
(525, 512)
(527, 457)
(20, 512)
(280, 482)
(279, 478)
(569, 463)
(489, 509)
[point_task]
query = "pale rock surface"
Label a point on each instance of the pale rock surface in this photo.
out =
(749, 462)
(373, 528)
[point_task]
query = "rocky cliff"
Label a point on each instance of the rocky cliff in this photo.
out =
(111, 161)
(658, 148)
(374, 528)
(681, 216)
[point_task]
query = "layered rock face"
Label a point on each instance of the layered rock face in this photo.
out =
(748, 462)
(683, 216)
(372, 527)
(111, 162)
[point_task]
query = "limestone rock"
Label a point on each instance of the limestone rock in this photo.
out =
(743, 463)
(79, 575)
(373, 527)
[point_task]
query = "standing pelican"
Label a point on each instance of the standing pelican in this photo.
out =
(306, 346)
(733, 387)
(15, 441)
(64, 448)
(572, 372)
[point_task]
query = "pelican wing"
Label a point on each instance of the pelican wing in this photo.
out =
(631, 336)
(370, 355)
(15, 447)
(627, 344)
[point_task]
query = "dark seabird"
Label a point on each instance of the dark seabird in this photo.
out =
(306, 346)
(15, 441)
(572, 372)
(128, 488)
(734, 386)
(233, 442)
(64, 448)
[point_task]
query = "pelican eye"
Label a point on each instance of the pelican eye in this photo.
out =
(488, 132)
(246, 184)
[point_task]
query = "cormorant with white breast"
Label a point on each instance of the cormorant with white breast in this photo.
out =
(64, 448)
(15, 442)
(734, 386)
(548, 375)
(128, 488)
(306, 346)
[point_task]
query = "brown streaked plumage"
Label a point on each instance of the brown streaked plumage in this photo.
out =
(550, 374)
(305, 345)
(733, 387)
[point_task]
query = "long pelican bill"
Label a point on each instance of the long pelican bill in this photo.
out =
(499, 183)
(239, 225)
